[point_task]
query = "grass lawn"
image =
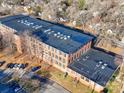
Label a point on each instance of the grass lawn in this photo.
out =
(67, 82)
(114, 87)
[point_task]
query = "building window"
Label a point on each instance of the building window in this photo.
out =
(82, 77)
(74, 56)
(49, 53)
(52, 54)
(56, 62)
(55, 51)
(52, 49)
(60, 58)
(60, 64)
(87, 79)
(63, 60)
(56, 57)
(69, 61)
(60, 52)
(64, 55)
(49, 47)
(64, 66)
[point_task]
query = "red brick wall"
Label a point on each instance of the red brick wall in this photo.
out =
(83, 49)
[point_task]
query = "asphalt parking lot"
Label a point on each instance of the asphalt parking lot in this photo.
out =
(19, 66)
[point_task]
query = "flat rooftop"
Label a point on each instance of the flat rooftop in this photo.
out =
(95, 65)
(60, 37)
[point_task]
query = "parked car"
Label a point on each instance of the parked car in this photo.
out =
(35, 68)
(10, 65)
(23, 66)
(2, 62)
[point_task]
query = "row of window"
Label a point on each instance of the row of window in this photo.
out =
(45, 46)
(55, 50)
(56, 57)
(60, 64)
(54, 61)
(84, 78)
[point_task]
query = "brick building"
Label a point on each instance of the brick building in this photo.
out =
(63, 48)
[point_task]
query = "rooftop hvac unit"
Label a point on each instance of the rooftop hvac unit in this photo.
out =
(46, 30)
(18, 21)
(58, 36)
(55, 35)
(65, 38)
(61, 37)
(105, 64)
(31, 23)
(49, 33)
(58, 33)
(28, 24)
(52, 31)
(103, 67)
(100, 62)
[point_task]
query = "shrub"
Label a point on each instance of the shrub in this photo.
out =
(81, 4)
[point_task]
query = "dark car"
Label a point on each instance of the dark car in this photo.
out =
(10, 65)
(23, 66)
(35, 68)
(2, 62)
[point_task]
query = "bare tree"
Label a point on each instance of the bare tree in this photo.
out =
(8, 42)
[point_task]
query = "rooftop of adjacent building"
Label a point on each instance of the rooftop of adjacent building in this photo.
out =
(60, 37)
(95, 65)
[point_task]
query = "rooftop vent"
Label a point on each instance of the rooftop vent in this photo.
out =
(103, 66)
(55, 34)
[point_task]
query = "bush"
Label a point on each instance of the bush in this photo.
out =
(81, 4)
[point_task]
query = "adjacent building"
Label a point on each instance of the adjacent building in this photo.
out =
(64, 48)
